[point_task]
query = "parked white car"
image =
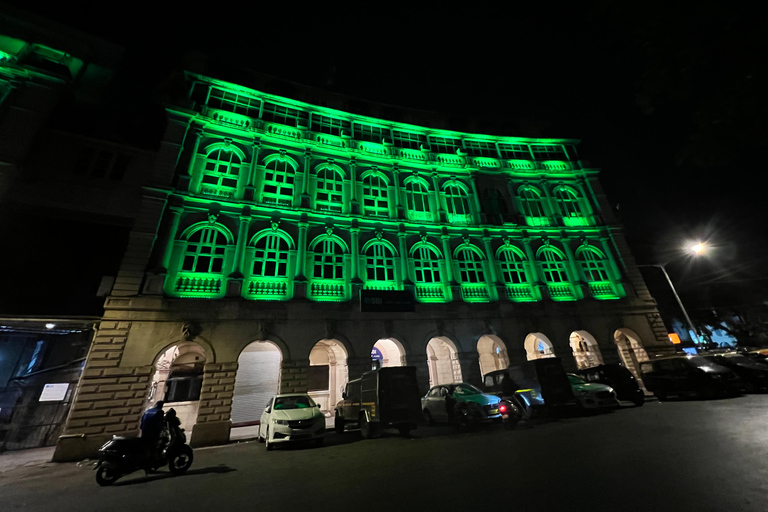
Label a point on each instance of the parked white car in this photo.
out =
(291, 417)
(592, 395)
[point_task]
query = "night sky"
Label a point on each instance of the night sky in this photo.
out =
(670, 102)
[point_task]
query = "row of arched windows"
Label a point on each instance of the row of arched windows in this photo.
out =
(206, 253)
(223, 167)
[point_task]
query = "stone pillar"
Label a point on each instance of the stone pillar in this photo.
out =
(612, 265)
(572, 263)
(301, 253)
(214, 418)
(305, 182)
(470, 367)
(195, 178)
(419, 361)
(477, 217)
(399, 208)
(403, 248)
(534, 270)
(109, 398)
(355, 256)
(447, 257)
(250, 181)
(549, 208)
(242, 240)
(294, 376)
(173, 229)
(441, 216)
(491, 260)
(354, 203)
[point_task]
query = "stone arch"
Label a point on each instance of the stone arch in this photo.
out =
(257, 380)
(586, 350)
(443, 361)
(178, 380)
(538, 346)
(631, 351)
(389, 351)
(492, 354)
(328, 372)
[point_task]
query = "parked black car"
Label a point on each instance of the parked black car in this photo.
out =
(689, 375)
(619, 378)
(753, 373)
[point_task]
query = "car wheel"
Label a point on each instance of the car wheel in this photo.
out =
(270, 446)
(365, 427)
(181, 460)
(466, 418)
(639, 401)
(428, 418)
(338, 424)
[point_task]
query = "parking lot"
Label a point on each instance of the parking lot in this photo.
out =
(675, 455)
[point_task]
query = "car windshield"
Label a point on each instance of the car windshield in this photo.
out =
(576, 380)
(701, 361)
(466, 389)
(293, 402)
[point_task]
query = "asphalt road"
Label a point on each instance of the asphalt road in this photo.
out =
(681, 455)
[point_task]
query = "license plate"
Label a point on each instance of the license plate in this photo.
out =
(494, 411)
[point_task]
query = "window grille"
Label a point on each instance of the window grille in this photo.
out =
(444, 145)
(328, 191)
(456, 201)
(204, 251)
(417, 197)
(531, 202)
(512, 267)
(375, 194)
(514, 151)
(547, 152)
(481, 148)
(408, 140)
(278, 183)
(271, 256)
(470, 266)
(593, 264)
(569, 202)
(426, 265)
(220, 174)
(370, 133)
(329, 125)
(553, 266)
(233, 102)
(328, 260)
(380, 263)
(283, 115)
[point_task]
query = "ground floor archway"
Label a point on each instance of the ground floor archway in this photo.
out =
(389, 351)
(178, 380)
(586, 351)
(492, 354)
(538, 346)
(631, 351)
(257, 380)
(443, 361)
(328, 373)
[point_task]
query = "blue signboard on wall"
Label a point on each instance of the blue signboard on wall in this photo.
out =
(376, 355)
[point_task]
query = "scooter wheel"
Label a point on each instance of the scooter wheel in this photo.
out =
(107, 474)
(180, 461)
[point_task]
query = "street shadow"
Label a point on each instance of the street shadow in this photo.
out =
(162, 475)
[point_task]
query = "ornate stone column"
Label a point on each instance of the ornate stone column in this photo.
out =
(403, 248)
(399, 209)
(173, 229)
(250, 182)
(355, 256)
(448, 258)
(242, 240)
(192, 178)
(441, 216)
(301, 253)
(477, 217)
(354, 203)
(305, 182)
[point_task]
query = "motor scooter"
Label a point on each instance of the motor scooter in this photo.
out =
(123, 455)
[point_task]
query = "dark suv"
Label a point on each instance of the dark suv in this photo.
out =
(689, 375)
(619, 378)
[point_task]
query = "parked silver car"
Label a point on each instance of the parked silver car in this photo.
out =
(459, 402)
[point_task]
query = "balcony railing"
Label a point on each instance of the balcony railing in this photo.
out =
(412, 154)
(283, 131)
(561, 291)
(430, 292)
(603, 290)
(459, 218)
(475, 292)
(521, 165)
(373, 148)
(484, 161)
(330, 140)
(520, 292)
(190, 284)
(381, 285)
(450, 160)
(230, 118)
(213, 190)
(556, 165)
(263, 289)
(576, 221)
(537, 221)
(419, 216)
(328, 289)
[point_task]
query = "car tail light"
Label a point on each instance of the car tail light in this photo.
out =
(502, 408)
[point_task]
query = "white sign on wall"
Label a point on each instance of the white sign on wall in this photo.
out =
(54, 392)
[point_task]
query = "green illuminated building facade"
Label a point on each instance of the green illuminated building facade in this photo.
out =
(266, 216)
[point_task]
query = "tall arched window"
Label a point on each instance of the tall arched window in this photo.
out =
(277, 187)
(220, 173)
(470, 266)
(593, 264)
(512, 264)
(379, 263)
(271, 257)
(456, 203)
(553, 265)
(204, 251)
(375, 196)
(417, 200)
(329, 190)
(568, 201)
(530, 200)
(328, 260)
(426, 265)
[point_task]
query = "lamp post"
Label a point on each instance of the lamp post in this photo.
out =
(697, 249)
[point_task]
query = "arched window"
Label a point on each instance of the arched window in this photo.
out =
(512, 265)
(470, 266)
(328, 190)
(204, 251)
(375, 202)
(417, 200)
(593, 264)
(278, 182)
(328, 260)
(456, 203)
(530, 199)
(553, 264)
(568, 201)
(379, 263)
(220, 173)
(426, 265)
(270, 259)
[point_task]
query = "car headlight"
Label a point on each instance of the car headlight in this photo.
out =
(281, 422)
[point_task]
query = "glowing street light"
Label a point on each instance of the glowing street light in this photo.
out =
(50, 325)
(698, 248)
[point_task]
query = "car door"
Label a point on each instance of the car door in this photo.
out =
(435, 403)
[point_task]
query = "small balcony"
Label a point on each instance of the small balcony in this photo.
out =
(381, 285)
(475, 292)
(487, 162)
(198, 285)
(556, 165)
(561, 291)
(258, 288)
(537, 221)
(282, 130)
(603, 290)
(430, 292)
(412, 154)
(419, 216)
(331, 290)
(459, 218)
(520, 292)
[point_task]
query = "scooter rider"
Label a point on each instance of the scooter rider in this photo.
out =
(152, 426)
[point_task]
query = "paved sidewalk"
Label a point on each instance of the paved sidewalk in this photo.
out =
(35, 456)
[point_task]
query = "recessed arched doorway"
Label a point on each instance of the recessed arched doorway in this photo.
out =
(631, 351)
(178, 380)
(328, 373)
(538, 346)
(389, 351)
(585, 350)
(492, 354)
(257, 380)
(443, 361)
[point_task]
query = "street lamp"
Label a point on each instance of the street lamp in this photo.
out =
(696, 248)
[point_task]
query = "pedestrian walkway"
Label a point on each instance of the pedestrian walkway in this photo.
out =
(32, 457)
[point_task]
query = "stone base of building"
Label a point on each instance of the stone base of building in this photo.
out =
(210, 433)
(77, 447)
